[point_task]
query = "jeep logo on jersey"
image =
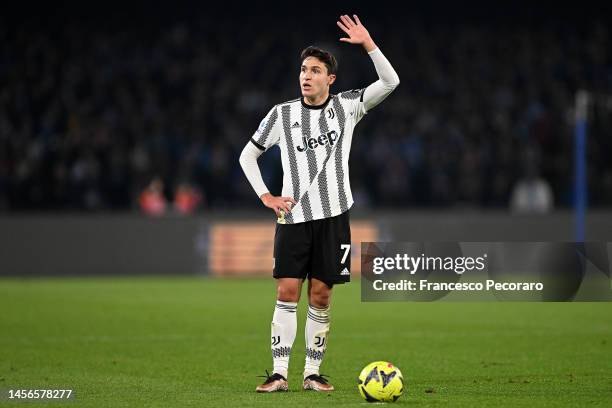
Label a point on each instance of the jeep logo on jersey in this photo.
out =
(314, 142)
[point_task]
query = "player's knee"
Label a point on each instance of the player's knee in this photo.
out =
(287, 293)
(319, 297)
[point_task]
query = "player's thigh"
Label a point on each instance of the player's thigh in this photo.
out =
(291, 251)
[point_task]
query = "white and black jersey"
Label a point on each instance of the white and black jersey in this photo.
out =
(315, 142)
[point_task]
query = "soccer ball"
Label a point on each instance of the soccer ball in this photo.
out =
(380, 381)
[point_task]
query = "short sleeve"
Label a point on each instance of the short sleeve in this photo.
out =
(268, 132)
(354, 99)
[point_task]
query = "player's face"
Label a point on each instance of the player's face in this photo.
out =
(314, 79)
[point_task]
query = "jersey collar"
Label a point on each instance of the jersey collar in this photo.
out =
(321, 106)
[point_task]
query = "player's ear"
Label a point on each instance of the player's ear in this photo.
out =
(331, 79)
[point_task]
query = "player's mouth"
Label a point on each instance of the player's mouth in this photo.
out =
(306, 86)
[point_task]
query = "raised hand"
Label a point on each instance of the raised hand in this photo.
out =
(357, 33)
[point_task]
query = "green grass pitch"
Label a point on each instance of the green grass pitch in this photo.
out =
(187, 342)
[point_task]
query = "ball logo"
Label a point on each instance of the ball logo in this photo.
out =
(313, 142)
(372, 376)
(386, 378)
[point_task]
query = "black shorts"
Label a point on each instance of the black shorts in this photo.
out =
(317, 249)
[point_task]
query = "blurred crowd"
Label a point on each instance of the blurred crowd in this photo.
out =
(99, 118)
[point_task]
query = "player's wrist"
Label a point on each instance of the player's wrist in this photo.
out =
(369, 45)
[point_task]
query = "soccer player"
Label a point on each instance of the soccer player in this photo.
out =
(313, 237)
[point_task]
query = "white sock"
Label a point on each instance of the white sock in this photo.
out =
(317, 329)
(284, 326)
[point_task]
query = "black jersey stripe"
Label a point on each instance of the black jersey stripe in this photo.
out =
(268, 128)
(293, 167)
(338, 157)
(354, 94)
(322, 180)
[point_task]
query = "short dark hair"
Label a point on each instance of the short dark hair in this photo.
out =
(324, 56)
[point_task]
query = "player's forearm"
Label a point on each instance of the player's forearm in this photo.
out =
(384, 69)
(388, 80)
(248, 162)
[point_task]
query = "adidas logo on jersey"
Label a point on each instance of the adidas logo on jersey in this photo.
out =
(295, 125)
(314, 142)
(345, 272)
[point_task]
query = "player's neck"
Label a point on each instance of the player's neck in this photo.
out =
(316, 101)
